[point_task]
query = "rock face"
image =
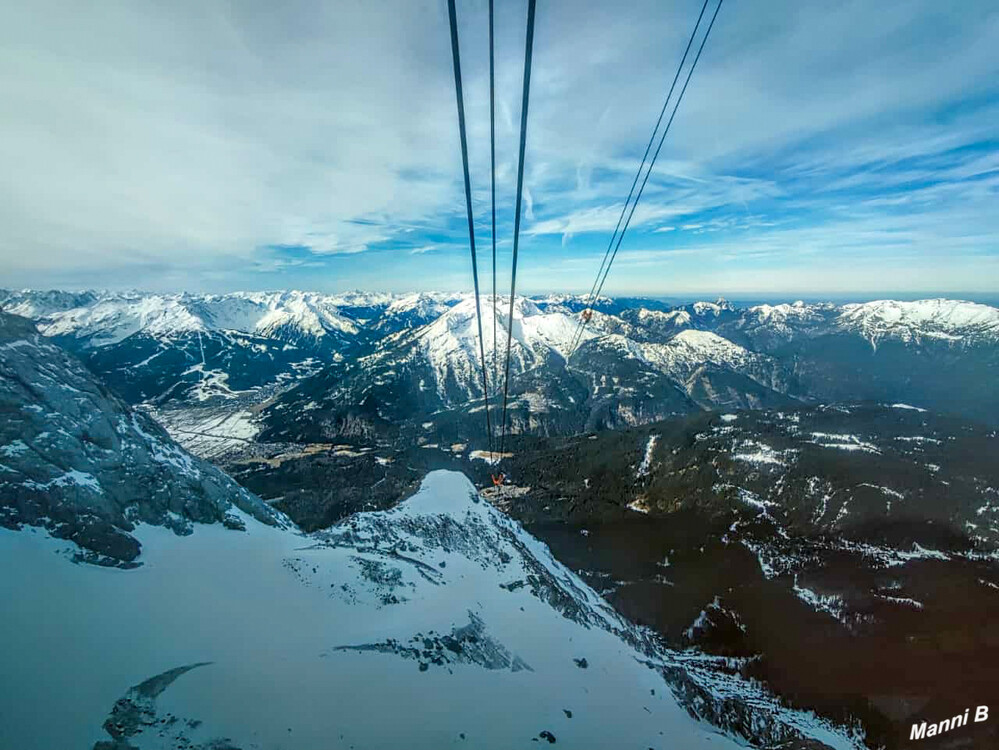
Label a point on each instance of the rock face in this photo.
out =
(77, 461)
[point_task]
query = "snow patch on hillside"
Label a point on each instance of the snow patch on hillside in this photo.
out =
(650, 446)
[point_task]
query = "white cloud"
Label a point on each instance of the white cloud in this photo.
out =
(179, 138)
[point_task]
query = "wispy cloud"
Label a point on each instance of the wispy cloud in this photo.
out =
(183, 145)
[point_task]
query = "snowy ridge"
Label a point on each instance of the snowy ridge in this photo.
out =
(674, 318)
(451, 346)
(941, 319)
(424, 348)
(784, 321)
(112, 320)
(109, 318)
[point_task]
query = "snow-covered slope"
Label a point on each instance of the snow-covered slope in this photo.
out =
(440, 623)
(290, 316)
(930, 319)
(689, 350)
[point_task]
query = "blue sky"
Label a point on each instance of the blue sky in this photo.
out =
(822, 148)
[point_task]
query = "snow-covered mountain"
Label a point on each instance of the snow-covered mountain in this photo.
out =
(415, 310)
(920, 322)
(450, 344)
(292, 316)
(186, 347)
(613, 377)
(767, 327)
(360, 305)
(950, 321)
(421, 351)
(77, 461)
(689, 351)
(644, 364)
(419, 372)
(438, 623)
(574, 303)
(937, 354)
(36, 304)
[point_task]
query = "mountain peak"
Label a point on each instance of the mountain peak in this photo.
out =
(442, 492)
(712, 308)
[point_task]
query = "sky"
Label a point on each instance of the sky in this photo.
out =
(821, 148)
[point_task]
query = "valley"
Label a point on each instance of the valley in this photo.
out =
(754, 488)
(312, 437)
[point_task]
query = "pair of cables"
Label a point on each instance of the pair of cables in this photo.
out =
(628, 210)
(456, 59)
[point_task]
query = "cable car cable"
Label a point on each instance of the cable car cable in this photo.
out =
(605, 265)
(456, 59)
(590, 298)
(492, 160)
(528, 51)
(659, 147)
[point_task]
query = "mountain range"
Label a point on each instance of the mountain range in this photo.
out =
(643, 365)
(226, 626)
(392, 358)
(734, 491)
